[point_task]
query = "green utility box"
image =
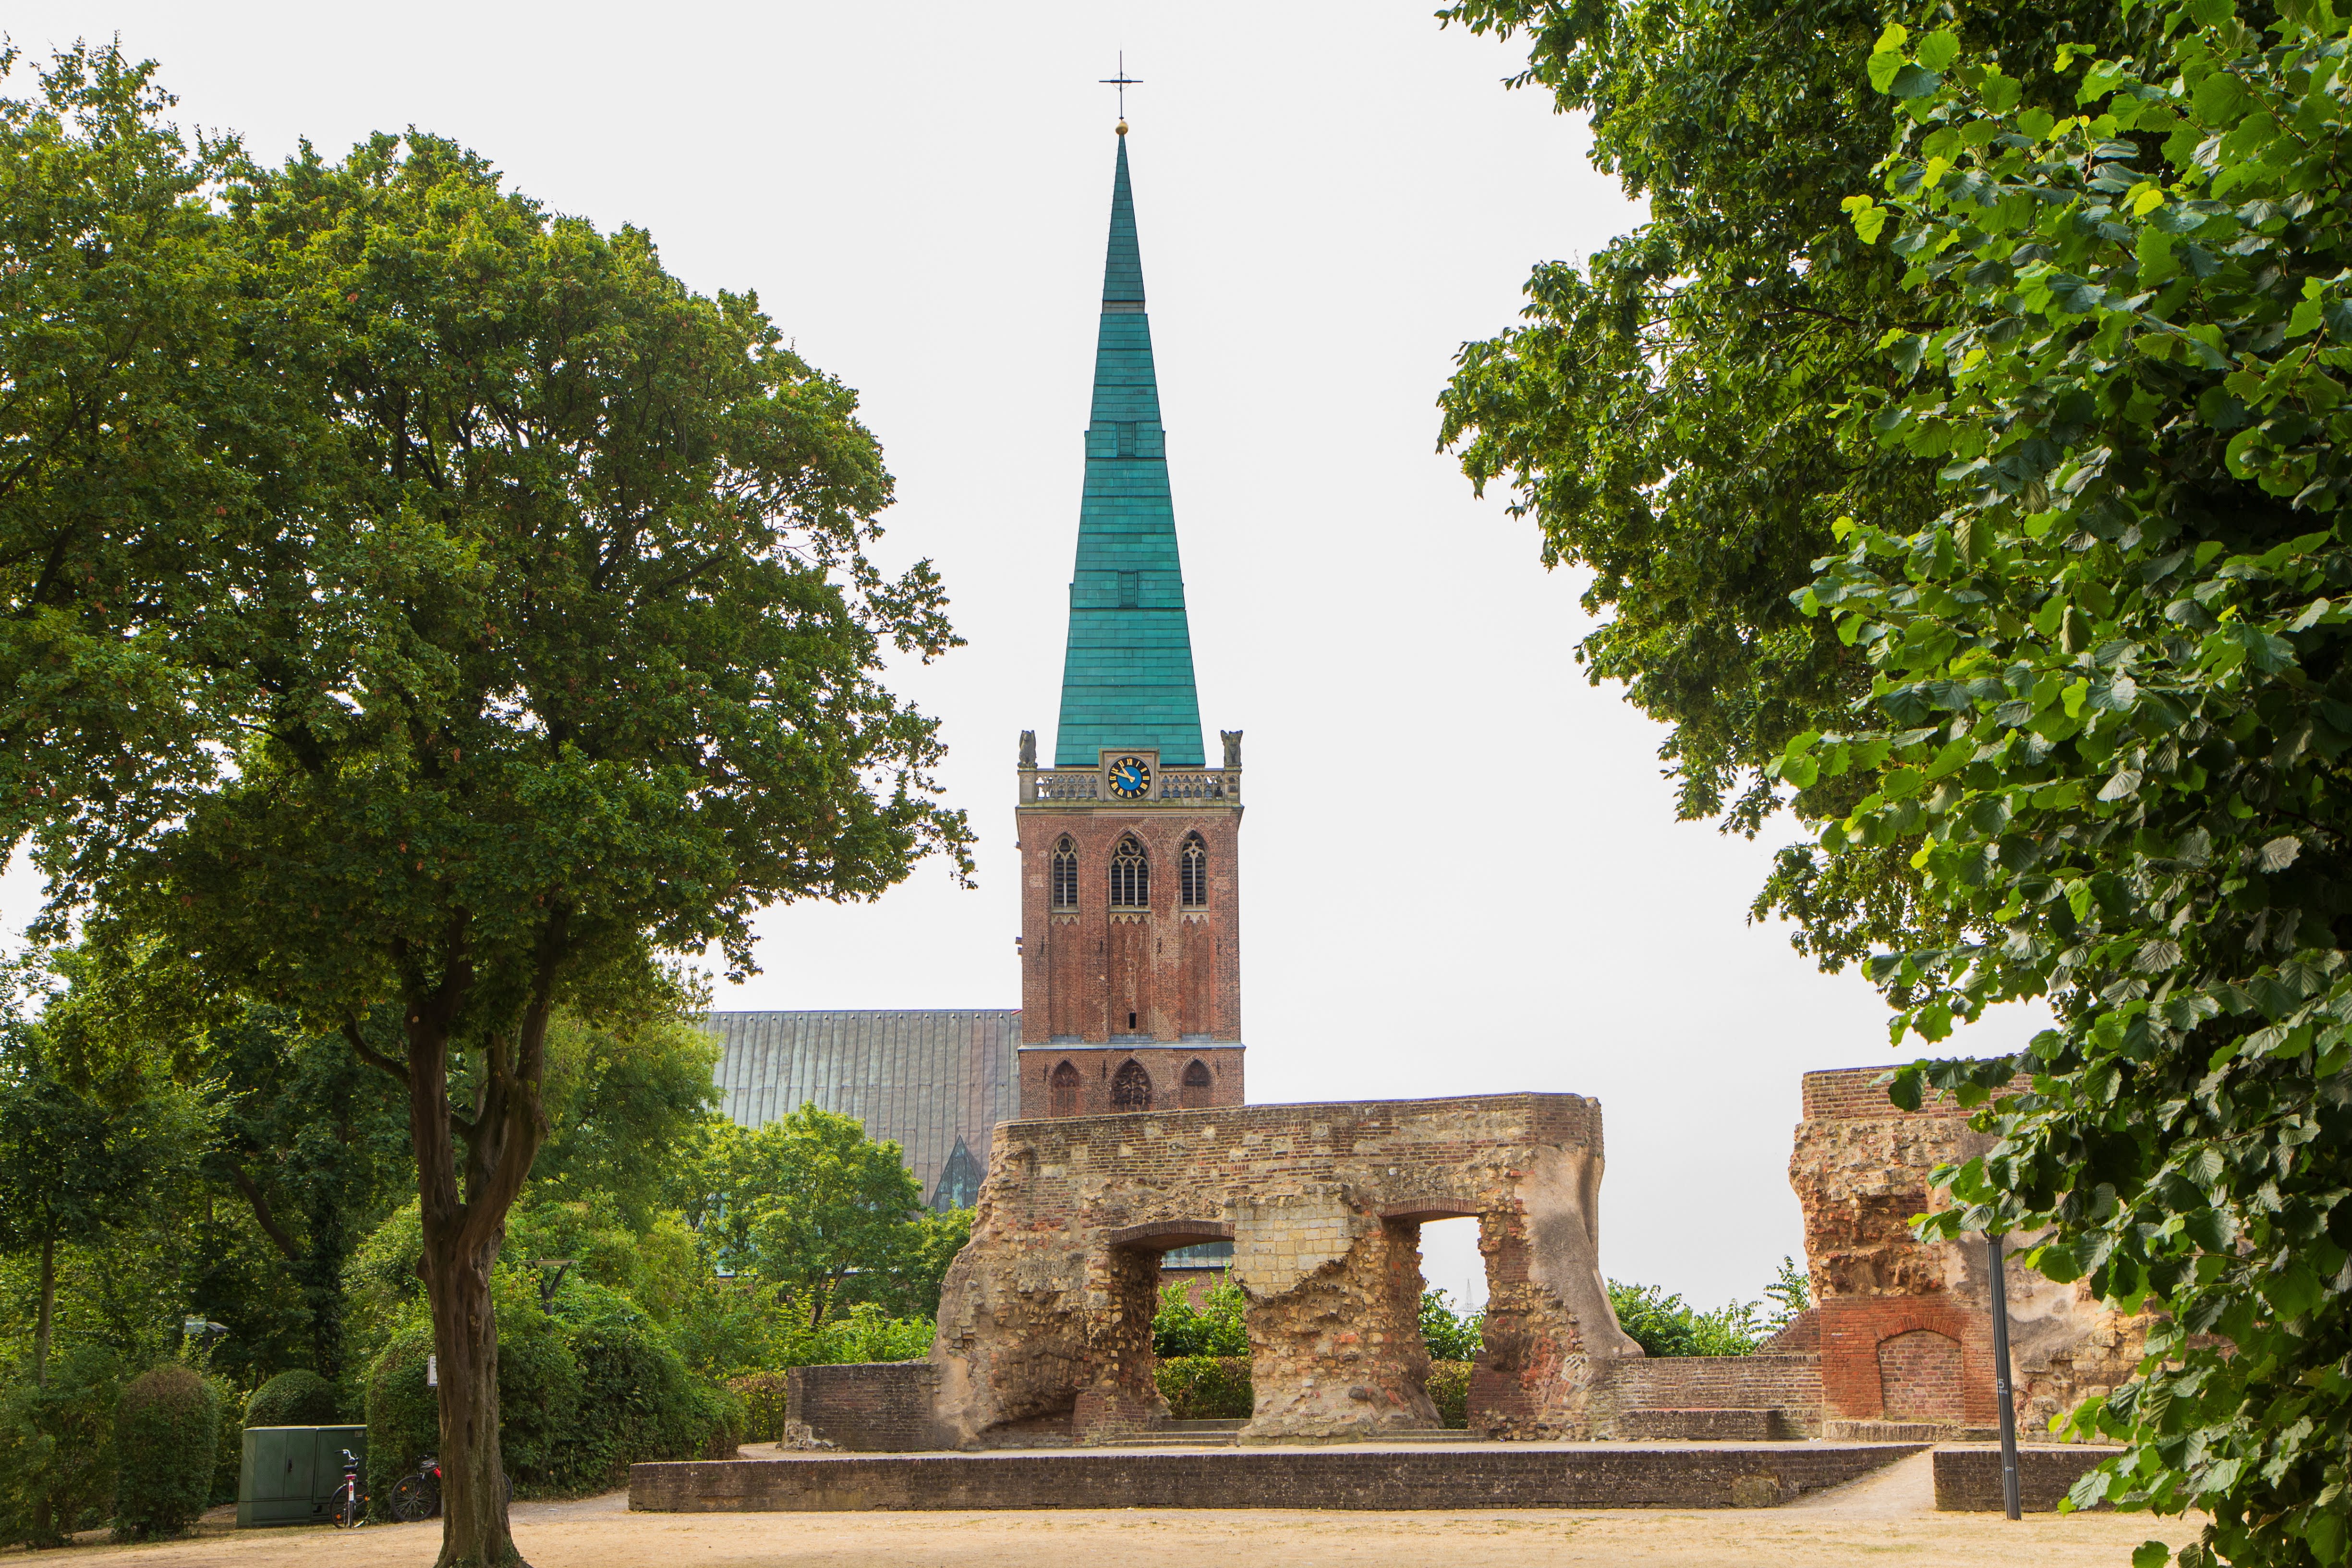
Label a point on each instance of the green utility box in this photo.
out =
(290, 1475)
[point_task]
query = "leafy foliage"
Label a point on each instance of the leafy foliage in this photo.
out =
(1450, 1335)
(1667, 413)
(166, 1437)
(1214, 1328)
(2110, 706)
(56, 1447)
(296, 1398)
(1790, 1293)
(1449, 1389)
(1205, 1387)
(1663, 1324)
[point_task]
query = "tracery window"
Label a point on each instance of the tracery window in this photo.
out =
(1193, 868)
(1196, 1086)
(1130, 875)
(1065, 1087)
(1130, 1088)
(1066, 874)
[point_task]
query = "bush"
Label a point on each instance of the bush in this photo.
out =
(1205, 1387)
(167, 1442)
(1662, 1325)
(1450, 1335)
(538, 1393)
(1213, 1329)
(229, 1448)
(638, 1402)
(297, 1398)
(56, 1449)
(763, 1397)
(1449, 1389)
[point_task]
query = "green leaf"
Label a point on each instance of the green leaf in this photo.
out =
(1884, 65)
(2278, 853)
(2151, 1554)
(1938, 49)
(1913, 82)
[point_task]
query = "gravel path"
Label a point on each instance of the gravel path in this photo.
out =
(1880, 1520)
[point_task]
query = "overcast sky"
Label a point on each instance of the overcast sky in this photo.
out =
(1461, 871)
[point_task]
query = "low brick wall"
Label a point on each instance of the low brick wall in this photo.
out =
(1968, 1480)
(866, 1407)
(1790, 1384)
(1696, 1426)
(1440, 1476)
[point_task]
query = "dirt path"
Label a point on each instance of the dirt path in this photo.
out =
(1886, 1518)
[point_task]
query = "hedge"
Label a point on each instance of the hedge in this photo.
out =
(1217, 1388)
(56, 1449)
(296, 1398)
(166, 1441)
(763, 1396)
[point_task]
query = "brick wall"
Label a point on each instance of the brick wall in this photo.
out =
(1789, 1384)
(1919, 1377)
(1166, 973)
(1436, 1476)
(874, 1407)
(1944, 1339)
(1163, 1065)
(1855, 1094)
(1968, 1480)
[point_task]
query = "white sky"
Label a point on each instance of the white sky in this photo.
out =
(1461, 869)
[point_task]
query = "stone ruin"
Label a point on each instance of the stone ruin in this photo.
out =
(1045, 1323)
(1045, 1319)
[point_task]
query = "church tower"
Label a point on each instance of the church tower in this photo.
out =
(1131, 843)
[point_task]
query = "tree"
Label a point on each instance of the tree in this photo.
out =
(2110, 708)
(1666, 412)
(569, 657)
(623, 1106)
(134, 447)
(807, 1201)
(72, 1168)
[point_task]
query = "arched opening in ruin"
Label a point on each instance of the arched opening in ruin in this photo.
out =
(1125, 1391)
(1445, 1242)
(1919, 1377)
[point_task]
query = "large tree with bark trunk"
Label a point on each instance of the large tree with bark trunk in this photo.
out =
(562, 652)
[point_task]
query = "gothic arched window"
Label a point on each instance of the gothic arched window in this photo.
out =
(1066, 874)
(1130, 875)
(1065, 1085)
(1196, 1086)
(1194, 870)
(1130, 1088)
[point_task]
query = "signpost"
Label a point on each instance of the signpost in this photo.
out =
(1995, 1261)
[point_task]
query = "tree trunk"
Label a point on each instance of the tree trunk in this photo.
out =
(463, 1231)
(49, 1311)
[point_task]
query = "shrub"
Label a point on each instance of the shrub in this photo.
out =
(1205, 1387)
(167, 1443)
(763, 1397)
(297, 1398)
(228, 1452)
(636, 1401)
(1213, 1329)
(1450, 1335)
(56, 1449)
(1663, 1325)
(1449, 1389)
(538, 1393)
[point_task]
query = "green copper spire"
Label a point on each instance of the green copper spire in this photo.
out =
(1127, 678)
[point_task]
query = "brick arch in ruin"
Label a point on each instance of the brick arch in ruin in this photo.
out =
(1045, 1318)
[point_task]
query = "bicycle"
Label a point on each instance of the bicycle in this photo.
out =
(418, 1497)
(351, 1506)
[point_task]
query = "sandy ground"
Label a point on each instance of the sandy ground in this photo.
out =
(1888, 1518)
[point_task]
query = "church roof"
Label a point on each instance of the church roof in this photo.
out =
(931, 1080)
(1126, 677)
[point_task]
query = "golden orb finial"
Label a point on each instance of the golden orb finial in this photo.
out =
(1122, 128)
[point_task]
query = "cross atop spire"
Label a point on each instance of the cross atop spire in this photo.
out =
(1126, 678)
(1122, 81)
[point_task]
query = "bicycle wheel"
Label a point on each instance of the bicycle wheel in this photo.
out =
(347, 1508)
(414, 1497)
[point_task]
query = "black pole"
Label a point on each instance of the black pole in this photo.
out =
(2000, 1374)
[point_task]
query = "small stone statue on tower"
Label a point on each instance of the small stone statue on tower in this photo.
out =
(1029, 748)
(1232, 739)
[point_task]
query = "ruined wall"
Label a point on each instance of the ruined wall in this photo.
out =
(1045, 1318)
(866, 1407)
(1783, 1390)
(1905, 1326)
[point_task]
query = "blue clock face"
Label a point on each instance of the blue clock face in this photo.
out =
(1130, 777)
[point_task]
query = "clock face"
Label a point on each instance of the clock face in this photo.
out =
(1130, 778)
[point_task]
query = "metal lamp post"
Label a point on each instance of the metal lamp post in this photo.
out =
(1997, 1265)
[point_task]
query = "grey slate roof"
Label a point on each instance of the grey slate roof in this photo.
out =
(924, 1078)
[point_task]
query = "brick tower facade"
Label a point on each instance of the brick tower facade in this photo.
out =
(1130, 843)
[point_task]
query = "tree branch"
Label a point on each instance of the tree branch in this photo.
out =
(372, 1057)
(269, 1226)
